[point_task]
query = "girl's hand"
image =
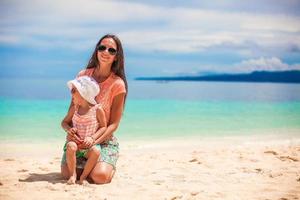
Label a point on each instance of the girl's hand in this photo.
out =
(88, 142)
(72, 136)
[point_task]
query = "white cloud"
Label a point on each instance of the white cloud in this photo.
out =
(76, 11)
(264, 64)
(78, 24)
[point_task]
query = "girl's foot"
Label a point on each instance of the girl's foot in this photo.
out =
(84, 182)
(72, 180)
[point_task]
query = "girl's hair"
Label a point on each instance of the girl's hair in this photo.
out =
(117, 66)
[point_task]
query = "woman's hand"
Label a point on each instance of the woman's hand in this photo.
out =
(72, 136)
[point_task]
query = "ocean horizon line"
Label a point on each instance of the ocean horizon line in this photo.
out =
(289, 76)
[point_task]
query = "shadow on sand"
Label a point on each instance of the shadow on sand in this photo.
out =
(53, 177)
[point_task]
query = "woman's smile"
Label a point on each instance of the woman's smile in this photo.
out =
(104, 57)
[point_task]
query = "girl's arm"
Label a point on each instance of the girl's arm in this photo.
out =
(115, 117)
(67, 121)
(66, 124)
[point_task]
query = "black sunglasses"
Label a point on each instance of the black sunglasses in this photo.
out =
(110, 50)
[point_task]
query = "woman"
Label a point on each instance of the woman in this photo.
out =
(106, 66)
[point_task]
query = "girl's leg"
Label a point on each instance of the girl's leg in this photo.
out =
(92, 158)
(71, 161)
(65, 171)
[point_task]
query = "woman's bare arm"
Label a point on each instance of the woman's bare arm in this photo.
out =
(115, 117)
(100, 114)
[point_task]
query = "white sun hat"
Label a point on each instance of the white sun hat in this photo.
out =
(87, 87)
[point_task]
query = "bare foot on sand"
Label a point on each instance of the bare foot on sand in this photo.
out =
(72, 180)
(82, 181)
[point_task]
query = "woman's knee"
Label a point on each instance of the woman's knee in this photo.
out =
(101, 177)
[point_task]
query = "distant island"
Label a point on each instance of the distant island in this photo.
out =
(292, 76)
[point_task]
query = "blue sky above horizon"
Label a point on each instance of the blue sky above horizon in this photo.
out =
(54, 39)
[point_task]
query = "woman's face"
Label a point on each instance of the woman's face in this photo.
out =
(106, 54)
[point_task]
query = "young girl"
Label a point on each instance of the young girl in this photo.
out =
(86, 122)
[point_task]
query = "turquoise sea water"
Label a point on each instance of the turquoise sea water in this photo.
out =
(158, 109)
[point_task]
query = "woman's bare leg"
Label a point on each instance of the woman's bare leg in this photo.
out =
(71, 161)
(65, 171)
(92, 158)
(102, 173)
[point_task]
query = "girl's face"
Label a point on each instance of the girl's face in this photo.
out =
(107, 50)
(76, 97)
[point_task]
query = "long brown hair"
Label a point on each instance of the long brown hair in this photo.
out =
(117, 66)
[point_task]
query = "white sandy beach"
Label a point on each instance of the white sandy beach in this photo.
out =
(260, 168)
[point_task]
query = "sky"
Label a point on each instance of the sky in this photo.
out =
(55, 38)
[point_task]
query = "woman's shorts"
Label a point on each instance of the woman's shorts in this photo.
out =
(109, 153)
